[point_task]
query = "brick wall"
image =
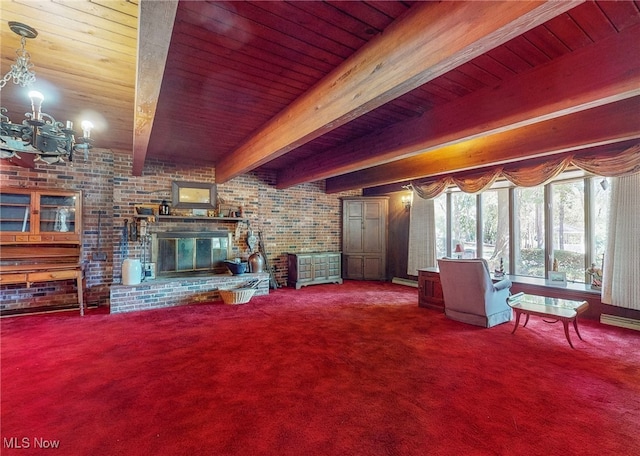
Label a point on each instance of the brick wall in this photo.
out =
(300, 219)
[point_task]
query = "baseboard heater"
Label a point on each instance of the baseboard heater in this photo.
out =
(407, 282)
(622, 322)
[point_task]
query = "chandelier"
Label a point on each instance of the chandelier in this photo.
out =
(39, 134)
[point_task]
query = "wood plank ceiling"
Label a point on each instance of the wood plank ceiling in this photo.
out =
(357, 93)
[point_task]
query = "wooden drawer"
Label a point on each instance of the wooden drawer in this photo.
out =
(13, 278)
(7, 238)
(65, 237)
(53, 275)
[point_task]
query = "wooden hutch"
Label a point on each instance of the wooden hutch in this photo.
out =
(40, 237)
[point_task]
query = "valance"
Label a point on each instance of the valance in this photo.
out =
(530, 174)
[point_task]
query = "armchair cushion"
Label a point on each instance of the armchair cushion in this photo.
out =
(470, 295)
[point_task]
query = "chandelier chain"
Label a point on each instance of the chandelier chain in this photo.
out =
(20, 72)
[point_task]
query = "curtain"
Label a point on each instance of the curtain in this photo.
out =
(623, 164)
(537, 172)
(621, 275)
(432, 189)
(422, 235)
(479, 182)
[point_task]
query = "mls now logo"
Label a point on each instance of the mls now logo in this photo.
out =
(26, 442)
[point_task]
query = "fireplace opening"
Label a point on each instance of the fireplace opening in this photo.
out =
(178, 253)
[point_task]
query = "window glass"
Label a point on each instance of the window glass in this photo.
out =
(440, 208)
(569, 228)
(495, 228)
(529, 232)
(463, 224)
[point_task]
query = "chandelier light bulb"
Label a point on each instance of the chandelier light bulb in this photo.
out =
(87, 126)
(36, 104)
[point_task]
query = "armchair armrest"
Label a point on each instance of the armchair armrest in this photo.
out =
(501, 285)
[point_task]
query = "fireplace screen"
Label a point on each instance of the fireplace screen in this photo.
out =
(179, 253)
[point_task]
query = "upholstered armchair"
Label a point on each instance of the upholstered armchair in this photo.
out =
(470, 295)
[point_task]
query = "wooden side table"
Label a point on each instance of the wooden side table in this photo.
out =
(430, 289)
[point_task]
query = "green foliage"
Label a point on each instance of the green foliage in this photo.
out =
(532, 263)
(572, 263)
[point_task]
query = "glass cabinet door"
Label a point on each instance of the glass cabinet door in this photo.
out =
(58, 213)
(15, 212)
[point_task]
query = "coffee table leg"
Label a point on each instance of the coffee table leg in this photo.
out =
(566, 331)
(575, 326)
(526, 320)
(517, 321)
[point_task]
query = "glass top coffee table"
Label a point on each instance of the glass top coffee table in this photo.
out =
(563, 310)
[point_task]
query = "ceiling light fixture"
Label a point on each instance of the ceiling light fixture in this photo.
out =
(39, 134)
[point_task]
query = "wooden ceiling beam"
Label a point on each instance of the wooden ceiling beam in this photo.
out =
(603, 150)
(607, 124)
(154, 35)
(602, 73)
(431, 39)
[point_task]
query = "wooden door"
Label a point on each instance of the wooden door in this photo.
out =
(353, 236)
(364, 238)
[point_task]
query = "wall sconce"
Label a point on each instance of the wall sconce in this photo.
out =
(406, 201)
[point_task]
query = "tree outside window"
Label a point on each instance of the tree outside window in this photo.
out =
(569, 228)
(463, 223)
(495, 228)
(529, 236)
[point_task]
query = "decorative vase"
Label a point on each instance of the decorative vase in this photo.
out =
(256, 262)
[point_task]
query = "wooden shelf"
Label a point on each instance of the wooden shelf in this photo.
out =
(186, 217)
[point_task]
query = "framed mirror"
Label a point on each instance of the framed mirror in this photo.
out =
(193, 195)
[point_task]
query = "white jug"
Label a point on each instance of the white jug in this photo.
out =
(131, 272)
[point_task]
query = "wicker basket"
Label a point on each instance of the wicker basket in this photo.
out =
(237, 296)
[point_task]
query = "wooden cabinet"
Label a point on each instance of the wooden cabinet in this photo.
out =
(31, 216)
(430, 289)
(364, 238)
(40, 237)
(314, 268)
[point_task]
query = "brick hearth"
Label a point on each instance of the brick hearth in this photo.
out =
(158, 293)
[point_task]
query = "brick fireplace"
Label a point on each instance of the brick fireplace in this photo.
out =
(189, 253)
(189, 268)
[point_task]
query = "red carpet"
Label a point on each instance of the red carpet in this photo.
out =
(353, 369)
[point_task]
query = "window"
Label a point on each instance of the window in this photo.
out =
(568, 228)
(463, 223)
(495, 228)
(527, 228)
(529, 232)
